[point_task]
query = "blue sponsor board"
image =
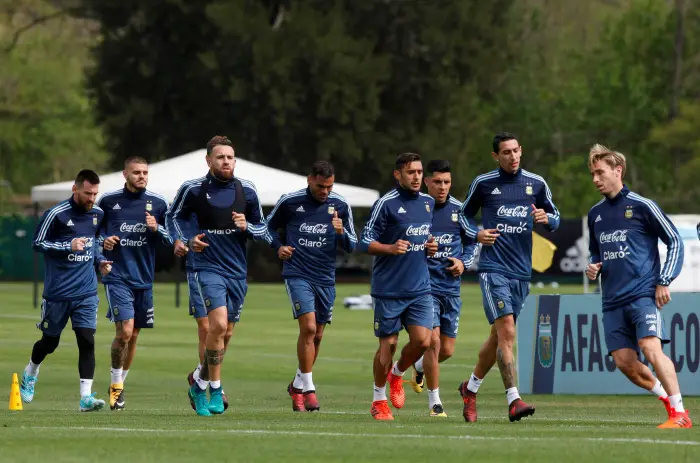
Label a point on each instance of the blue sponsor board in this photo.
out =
(561, 346)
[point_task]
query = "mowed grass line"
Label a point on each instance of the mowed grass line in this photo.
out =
(158, 424)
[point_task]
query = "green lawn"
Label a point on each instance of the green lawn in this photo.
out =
(159, 425)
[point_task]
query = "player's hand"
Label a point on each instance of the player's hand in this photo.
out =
(400, 247)
(110, 242)
(240, 221)
(285, 252)
(105, 267)
(78, 244)
(539, 215)
(663, 296)
(487, 236)
(592, 270)
(431, 246)
(151, 222)
(457, 267)
(337, 224)
(180, 248)
(197, 244)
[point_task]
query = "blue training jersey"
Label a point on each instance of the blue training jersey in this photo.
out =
(69, 275)
(308, 229)
(624, 233)
(449, 229)
(506, 203)
(400, 215)
(125, 216)
(226, 253)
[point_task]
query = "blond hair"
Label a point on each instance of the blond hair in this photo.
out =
(612, 158)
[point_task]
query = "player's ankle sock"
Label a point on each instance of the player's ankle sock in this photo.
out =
(395, 370)
(512, 395)
(419, 365)
(379, 393)
(124, 373)
(215, 384)
(85, 387)
(32, 369)
(298, 382)
(116, 374)
(474, 384)
(196, 372)
(677, 403)
(308, 382)
(202, 384)
(658, 390)
(434, 397)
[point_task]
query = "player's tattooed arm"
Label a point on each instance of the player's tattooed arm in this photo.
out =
(507, 369)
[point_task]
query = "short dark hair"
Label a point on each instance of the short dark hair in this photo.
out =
(438, 165)
(323, 169)
(134, 160)
(500, 138)
(87, 175)
(216, 141)
(405, 158)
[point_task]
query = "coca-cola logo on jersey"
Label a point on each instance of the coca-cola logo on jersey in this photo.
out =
(132, 228)
(418, 231)
(315, 229)
(444, 239)
(613, 237)
(515, 211)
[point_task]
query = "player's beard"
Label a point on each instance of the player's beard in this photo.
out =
(222, 175)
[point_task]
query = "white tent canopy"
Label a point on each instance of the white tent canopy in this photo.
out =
(165, 178)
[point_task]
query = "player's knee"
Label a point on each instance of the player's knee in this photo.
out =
(126, 334)
(422, 342)
(85, 338)
(506, 332)
(446, 351)
(218, 328)
(625, 363)
(50, 343)
(308, 330)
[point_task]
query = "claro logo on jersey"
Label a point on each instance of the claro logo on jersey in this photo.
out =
(515, 211)
(616, 236)
(505, 228)
(133, 228)
(133, 243)
(82, 257)
(423, 230)
(621, 253)
(314, 229)
(312, 243)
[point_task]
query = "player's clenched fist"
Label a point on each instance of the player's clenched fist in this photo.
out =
(431, 246)
(240, 221)
(285, 252)
(592, 270)
(337, 223)
(487, 236)
(180, 248)
(400, 247)
(110, 242)
(78, 244)
(151, 222)
(197, 244)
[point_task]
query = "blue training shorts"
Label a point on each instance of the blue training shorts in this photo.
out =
(626, 325)
(55, 315)
(390, 315)
(219, 291)
(306, 298)
(125, 303)
(197, 309)
(446, 310)
(502, 296)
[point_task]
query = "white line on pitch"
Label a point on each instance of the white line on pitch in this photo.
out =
(622, 440)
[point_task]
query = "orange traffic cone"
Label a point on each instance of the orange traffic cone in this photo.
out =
(15, 398)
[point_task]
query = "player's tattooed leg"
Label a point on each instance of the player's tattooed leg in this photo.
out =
(507, 369)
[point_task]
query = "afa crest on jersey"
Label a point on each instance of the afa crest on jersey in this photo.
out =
(454, 217)
(427, 207)
(149, 206)
(528, 189)
(628, 213)
(94, 220)
(331, 210)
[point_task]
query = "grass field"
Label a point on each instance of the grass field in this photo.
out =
(159, 425)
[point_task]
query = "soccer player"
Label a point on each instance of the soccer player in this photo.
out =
(624, 231)
(315, 221)
(67, 236)
(398, 235)
(133, 223)
(196, 306)
(227, 212)
(511, 200)
(456, 252)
